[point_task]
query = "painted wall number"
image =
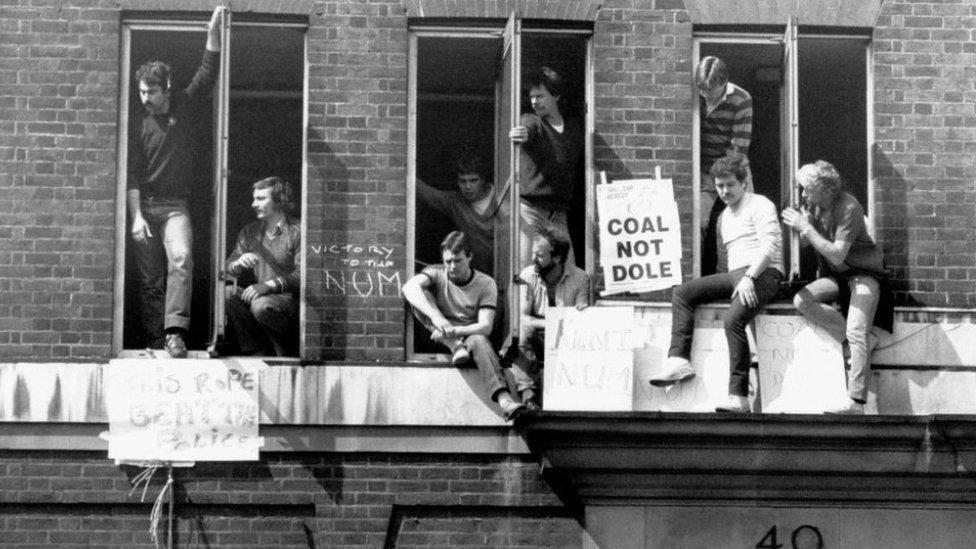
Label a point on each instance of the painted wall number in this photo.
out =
(803, 537)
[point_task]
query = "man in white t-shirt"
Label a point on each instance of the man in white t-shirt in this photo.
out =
(457, 304)
(750, 230)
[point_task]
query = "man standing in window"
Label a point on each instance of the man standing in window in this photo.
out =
(457, 304)
(263, 318)
(725, 112)
(751, 234)
(472, 209)
(548, 282)
(160, 169)
(551, 153)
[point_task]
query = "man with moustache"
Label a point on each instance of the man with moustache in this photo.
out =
(267, 258)
(457, 304)
(160, 168)
(750, 231)
(472, 209)
(551, 153)
(548, 282)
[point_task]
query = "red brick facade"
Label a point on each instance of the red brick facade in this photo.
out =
(326, 500)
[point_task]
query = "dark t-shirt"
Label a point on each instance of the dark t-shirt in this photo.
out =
(845, 223)
(550, 162)
(161, 146)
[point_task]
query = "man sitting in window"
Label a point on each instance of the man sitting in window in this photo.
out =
(472, 209)
(753, 240)
(548, 282)
(457, 304)
(160, 169)
(263, 317)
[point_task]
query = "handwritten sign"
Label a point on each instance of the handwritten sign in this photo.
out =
(709, 357)
(801, 368)
(183, 410)
(589, 359)
(640, 236)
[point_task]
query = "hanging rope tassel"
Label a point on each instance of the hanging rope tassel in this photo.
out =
(156, 513)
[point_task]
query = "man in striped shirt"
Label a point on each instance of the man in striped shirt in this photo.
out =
(726, 127)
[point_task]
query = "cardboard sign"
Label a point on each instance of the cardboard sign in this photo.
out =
(709, 357)
(589, 359)
(183, 410)
(801, 368)
(640, 236)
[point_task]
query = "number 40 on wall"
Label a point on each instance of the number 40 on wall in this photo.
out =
(803, 537)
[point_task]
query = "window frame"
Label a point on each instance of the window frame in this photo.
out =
(491, 30)
(144, 22)
(765, 38)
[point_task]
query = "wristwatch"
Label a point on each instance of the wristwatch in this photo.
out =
(750, 277)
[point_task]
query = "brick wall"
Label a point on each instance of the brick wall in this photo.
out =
(59, 74)
(356, 191)
(58, 121)
(925, 128)
(321, 500)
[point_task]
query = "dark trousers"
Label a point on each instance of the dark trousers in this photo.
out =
(483, 355)
(718, 287)
(268, 325)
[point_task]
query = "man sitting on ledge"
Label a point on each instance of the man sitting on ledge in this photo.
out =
(750, 231)
(457, 304)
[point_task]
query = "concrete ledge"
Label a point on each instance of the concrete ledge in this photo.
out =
(652, 457)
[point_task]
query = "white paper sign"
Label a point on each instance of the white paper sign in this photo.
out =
(801, 368)
(640, 236)
(589, 359)
(183, 410)
(709, 357)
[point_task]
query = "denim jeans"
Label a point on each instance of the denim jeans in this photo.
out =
(715, 287)
(483, 355)
(532, 219)
(269, 324)
(813, 302)
(165, 267)
(525, 368)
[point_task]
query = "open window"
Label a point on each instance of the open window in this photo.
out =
(465, 93)
(810, 101)
(251, 128)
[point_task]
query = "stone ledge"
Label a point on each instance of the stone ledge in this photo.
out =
(611, 458)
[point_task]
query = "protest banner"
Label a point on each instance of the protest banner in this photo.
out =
(589, 364)
(640, 236)
(709, 357)
(182, 410)
(801, 368)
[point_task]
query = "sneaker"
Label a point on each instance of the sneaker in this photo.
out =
(735, 404)
(175, 346)
(460, 356)
(511, 409)
(850, 408)
(676, 370)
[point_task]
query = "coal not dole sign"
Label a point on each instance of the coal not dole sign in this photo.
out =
(640, 236)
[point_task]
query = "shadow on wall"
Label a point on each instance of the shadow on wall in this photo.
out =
(328, 177)
(891, 217)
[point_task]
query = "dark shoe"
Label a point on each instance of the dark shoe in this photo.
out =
(530, 400)
(511, 409)
(175, 346)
